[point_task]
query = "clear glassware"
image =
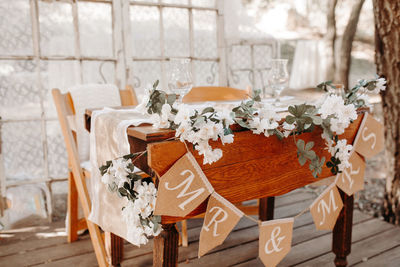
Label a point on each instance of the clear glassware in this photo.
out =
(180, 80)
(278, 77)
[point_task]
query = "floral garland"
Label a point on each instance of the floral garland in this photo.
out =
(333, 114)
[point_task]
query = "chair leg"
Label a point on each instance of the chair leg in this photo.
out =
(98, 244)
(185, 241)
(72, 223)
(114, 247)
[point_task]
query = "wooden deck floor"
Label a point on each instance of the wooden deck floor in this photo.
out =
(375, 243)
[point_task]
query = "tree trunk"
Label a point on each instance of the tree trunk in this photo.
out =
(387, 57)
(342, 74)
(330, 39)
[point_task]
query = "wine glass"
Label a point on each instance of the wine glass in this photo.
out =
(180, 80)
(278, 77)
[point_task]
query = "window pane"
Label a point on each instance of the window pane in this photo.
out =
(240, 57)
(176, 31)
(22, 150)
(240, 79)
(145, 1)
(57, 154)
(57, 74)
(56, 29)
(205, 33)
(262, 54)
(15, 28)
(206, 73)
(98, 72)
(145, 29)
(145, 73)
(203, 3)
(182, 2)
(95, 27)
(19, 95)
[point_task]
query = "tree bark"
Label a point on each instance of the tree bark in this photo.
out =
(342, 74)
(387, 57)
(330, 39)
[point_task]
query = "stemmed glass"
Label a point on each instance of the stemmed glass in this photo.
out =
(278, 77)
(180, 80)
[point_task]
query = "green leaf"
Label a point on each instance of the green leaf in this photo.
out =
(155, 84)
(207, 110)
(171, 99)
(122, 191)
(309, 145)
(290, 119)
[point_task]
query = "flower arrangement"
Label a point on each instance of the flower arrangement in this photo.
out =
(333, 114)
(120, 177)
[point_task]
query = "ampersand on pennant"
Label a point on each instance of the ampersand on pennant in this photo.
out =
(275, 240)
(273, 243)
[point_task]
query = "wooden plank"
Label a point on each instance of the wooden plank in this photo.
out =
(47, 254)
(304, 234)
(382, 237)
(389, 257)
(322, 245)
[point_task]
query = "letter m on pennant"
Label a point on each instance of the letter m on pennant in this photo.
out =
(182, 188)
(326, 208)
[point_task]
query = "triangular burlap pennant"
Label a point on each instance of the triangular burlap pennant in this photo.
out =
(370, 137)
(351, 179)
(326, 208)
(220, 218)
(275, 240)
(182, 188)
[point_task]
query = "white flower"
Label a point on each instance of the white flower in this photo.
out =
(107, 178)
(288, 128)
(159, 121)
(226, 115)
(183, 131)
(208, 131)
(269, 112)
(212, 155)
(255, 124)
(380, 85)
(331, 105)
(347, 113)
(142, 106)
(337, 126)
(329, 143)
(226, 139)
(184, 114)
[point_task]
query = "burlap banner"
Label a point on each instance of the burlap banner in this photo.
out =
(369, 140)
(220, 218)
(275, 240)
(351, 179)
(182, 188)
(326, 208)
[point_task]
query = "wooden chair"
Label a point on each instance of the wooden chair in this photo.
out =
(108, 246)
(215, 93)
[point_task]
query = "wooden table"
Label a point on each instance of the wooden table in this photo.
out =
(253, 167)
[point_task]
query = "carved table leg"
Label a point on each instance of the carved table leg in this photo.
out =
(266, 208)
(341, 243)
(165, 249)
(115, 248)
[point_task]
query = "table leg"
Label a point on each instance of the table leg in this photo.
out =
(115, 248)
(341, 243)
(266, 208)
(165, 249)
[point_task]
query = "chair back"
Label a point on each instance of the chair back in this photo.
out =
(66, 111)
(215, 93)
